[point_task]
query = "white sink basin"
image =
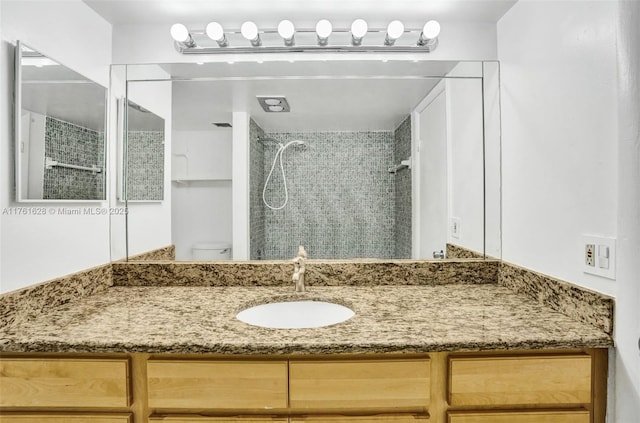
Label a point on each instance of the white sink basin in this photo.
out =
(295, 314)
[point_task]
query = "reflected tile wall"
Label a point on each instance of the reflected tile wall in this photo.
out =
(341, 196)
(72, 144)
(145, 170)
(402, 229)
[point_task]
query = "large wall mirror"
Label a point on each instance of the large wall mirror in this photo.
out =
(60, 131)
(390, 159)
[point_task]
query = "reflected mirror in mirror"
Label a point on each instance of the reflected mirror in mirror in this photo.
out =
(60, 131)
(145, 154)
(381, 159)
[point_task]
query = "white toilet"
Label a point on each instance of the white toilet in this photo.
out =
(211, 251)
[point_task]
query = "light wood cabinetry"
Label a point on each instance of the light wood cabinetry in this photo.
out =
(359, 384)
(579, 416)
(64, 418)
(520, 380)
(489, 387)
(200, 419)
(58, 382)
(407, 418)
(223, 384)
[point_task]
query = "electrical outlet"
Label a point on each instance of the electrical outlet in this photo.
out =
(455, 227)
(599, 256)
(589, 255)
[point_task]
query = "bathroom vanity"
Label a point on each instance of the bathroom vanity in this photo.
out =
(453, 387)
(162, 344)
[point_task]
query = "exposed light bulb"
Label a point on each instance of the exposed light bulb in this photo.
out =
(359, 28)
(431, 30)
(429, 35)
(395, 29)
(276, 108)
(249, 31)
(272, 101)
(214, 31)
(323, 30)
(180, 33)
(286, 29)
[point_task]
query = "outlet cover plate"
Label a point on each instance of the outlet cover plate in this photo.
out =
(604, 256)
(455, 227)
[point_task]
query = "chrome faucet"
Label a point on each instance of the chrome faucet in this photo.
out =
(299, 268)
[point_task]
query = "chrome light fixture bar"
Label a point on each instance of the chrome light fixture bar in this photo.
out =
(286, 38)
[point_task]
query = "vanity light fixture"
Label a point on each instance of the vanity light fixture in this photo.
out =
(359, 29)
(395, 29)
(215, 31)
(181, 34)
(429, 35)
(356, 38)
(323, 30)
(249, 30)
(287, 30)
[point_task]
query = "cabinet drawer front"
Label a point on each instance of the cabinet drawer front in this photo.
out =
(64, 383)
(331, 385)
(64, 418)
(362, 419)
(521, 417)
(521, 380)
(217, 384)
(200, 419)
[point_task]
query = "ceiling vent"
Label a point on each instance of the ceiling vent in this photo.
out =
(273, 103)
(222, 124)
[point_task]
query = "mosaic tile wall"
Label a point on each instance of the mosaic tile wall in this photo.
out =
(341, 196)
(72, 144)
(256, 183)
(402, 230)
(145, 170)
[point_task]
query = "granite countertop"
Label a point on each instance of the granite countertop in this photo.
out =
(450, 317)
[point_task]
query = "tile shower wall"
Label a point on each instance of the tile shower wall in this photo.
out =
(256, 182)
(72, 144)
(402, 151)
(145, 170)
(341, 196)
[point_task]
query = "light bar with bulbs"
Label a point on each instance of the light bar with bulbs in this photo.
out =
(324, 37)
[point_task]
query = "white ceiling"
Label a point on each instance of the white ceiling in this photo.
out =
(318, 104)
(302, 12)
(330, 96)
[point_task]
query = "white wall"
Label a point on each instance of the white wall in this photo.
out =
(559, 131)
(149, 223)
(37, 248)
(201, 204)
(627, 318)
(465, 175)
(571, 155)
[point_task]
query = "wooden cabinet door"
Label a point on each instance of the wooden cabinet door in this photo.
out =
(222, 384)
(201, 419)
(520, 380)
(64, 418)
(580, 416)
(362, 419)
(64, 382)
(359, 384)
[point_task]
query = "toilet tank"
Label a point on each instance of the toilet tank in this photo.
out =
(211, 251)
